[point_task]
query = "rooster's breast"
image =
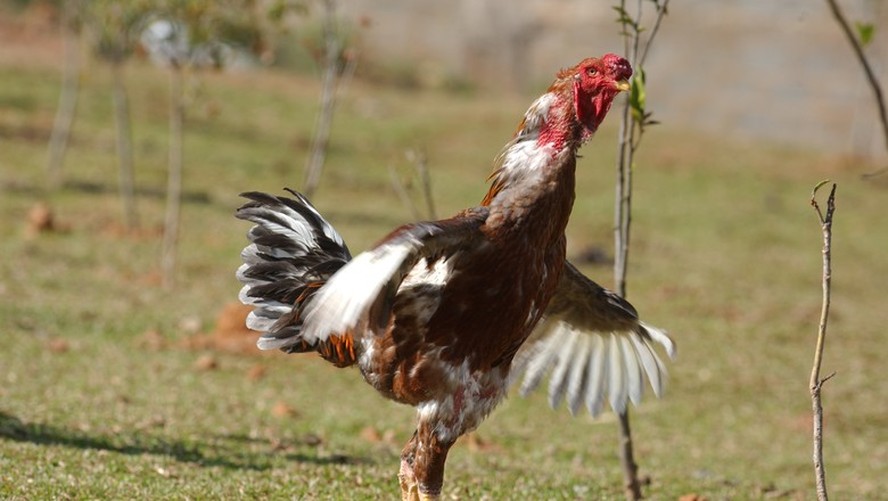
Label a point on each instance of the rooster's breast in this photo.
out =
(466, 312)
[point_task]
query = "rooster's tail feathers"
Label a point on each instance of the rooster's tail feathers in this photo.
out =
(292, 253)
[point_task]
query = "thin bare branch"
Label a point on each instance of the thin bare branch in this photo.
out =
(174, 178)
(630, 134)
(401, 190)
(126, 177)
(867, 69)
(623, 217)
(404, 189)
(421, 164)
(631, 484)
(625, 153)
(631, 130)
(661, 13)
(324, 121)
(816, 383)
(67, 108)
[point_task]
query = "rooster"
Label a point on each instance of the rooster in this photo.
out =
(446, 315)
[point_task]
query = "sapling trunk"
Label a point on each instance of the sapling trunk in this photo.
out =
(324, 121)
(174, 179)
(126, 178)
(816, 383)
(67, 108)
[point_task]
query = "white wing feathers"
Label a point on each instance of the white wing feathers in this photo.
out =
(349, 295)
(362, 292)
(594, 347)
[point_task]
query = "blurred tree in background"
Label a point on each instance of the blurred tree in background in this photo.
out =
(71, 21)
(114, 29)
(185, 37)
(192, 35)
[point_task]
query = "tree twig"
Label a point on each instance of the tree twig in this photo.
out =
(67, 108)
(816, 383)
(867, 69)
(630, 134)
(421, 164)
(126, 177)
(328, 101)
(401, 191)
(661, 13)
(172, 216)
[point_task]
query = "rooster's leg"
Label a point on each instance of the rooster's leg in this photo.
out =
(406, 477)
(430, 453)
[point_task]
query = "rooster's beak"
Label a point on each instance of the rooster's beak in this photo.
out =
(622, 85)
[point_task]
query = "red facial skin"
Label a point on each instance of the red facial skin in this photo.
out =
(596, 86)
(585, 93)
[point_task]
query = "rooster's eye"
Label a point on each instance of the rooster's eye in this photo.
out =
(591, 71)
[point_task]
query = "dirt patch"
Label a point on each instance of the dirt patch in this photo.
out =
(230, 335)
(32, 39)
(40, 220)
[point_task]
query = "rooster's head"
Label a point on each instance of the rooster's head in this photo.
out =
(576, 103)
(594, 83)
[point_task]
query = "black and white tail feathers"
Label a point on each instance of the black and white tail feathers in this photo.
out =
(293, 252)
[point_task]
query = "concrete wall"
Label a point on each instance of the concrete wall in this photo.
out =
(760, 68)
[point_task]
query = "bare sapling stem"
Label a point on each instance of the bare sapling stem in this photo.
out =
(816, 383)
(323, 124)
(172, 216)
(67, 107)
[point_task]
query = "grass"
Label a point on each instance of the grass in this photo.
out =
(102, 397)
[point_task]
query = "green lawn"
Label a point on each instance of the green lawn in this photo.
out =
(102, 397)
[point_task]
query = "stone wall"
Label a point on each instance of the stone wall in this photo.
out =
(759, 68)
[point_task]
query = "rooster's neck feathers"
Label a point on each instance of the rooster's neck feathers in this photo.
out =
(543, 149)
(551, 121)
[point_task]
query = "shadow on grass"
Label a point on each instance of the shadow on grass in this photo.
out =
(97, 188)
(202, 454)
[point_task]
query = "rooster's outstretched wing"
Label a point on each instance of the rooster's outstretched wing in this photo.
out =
(595, 347)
